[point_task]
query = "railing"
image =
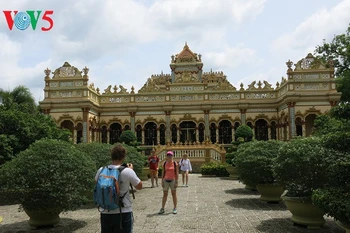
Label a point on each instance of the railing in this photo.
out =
(198, 153)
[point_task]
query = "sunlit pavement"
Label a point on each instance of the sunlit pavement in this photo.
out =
(209, 204)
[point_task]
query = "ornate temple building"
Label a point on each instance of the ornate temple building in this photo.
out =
(189, 109)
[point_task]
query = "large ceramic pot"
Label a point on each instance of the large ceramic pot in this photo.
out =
(42, 218)
(346, 227)
(144, 174)
(304, 212)
(270, 192)
(233, 172)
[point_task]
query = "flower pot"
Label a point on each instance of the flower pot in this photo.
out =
(144, 174)
(39, 218)
(233, 172)
(270, 192)
(304, 212)
(345, 226)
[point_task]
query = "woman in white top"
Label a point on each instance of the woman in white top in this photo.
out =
(185, 168)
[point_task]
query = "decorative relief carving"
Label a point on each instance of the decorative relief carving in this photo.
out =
(149, 86)
(79, 83)
(66, 84)
(311, 76)
(53, 84)
(66, 94)
(223, 96)
(115, 100)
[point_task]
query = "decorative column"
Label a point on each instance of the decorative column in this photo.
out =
(292, 128)
(303, 128)
(217, 133)
(108, 135)
(206, 125)
(178, 134)
(167, 128)
(197, 135)
(233, 133)
(74, 135)
(143, 136)
(132, 121)
(243, 116)
(158, 135)
(268, 132)
(86, 134)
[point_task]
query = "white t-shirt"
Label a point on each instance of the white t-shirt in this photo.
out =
(126, 177)
(185, 165)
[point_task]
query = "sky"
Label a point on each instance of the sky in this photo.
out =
(124, 42)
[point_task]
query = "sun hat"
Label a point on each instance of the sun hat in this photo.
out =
(170, 153)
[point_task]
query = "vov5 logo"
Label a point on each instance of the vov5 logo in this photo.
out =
(23, 19)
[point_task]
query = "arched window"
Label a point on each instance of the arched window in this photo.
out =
(115, 130)
(201, 132)
(225, 132)
(261, 130)
(173, 133)
(150, 133)
(187, 132)
(162, 134)
(213, 133)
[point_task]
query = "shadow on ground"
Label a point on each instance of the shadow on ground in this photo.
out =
(285, 225)
(254, 204)
(65, 225)
(242, 191)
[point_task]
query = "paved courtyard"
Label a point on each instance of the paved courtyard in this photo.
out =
(208, 205)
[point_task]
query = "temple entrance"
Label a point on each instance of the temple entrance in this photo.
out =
(261, 130)
(309, 124)
(187, 132)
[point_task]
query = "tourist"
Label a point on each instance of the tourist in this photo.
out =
(110, 220)
(170, 175)
(185, 168)
(153, 161)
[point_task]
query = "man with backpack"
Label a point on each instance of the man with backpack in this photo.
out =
(120, 218)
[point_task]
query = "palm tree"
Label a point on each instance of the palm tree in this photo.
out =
(19, 96)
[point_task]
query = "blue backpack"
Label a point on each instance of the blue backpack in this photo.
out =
(106, 193)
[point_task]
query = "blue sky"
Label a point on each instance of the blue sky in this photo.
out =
(124, 42)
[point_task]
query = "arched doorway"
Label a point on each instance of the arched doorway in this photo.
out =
(261, 130)
(213, 133)
(69, 125)
(187, 132)
(201, 132)
(79, 129)
(309, 123)
(150, 133)
(104, 134)
(173, 133)
(236, 125)
(115, 130)
(162, 134)
(139, 133)
(225, 132)
(299, 127)
(273, 130)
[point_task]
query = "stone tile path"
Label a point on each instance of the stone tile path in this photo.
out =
(208, 205)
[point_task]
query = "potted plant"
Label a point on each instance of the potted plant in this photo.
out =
(334, 198)
(301, 165)
(49, 178)
(254, 163)
(229, 158)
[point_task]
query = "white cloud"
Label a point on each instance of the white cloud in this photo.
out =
(320, 25)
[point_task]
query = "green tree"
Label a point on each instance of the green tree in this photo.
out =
(338, 53)
(244, 131)
(20, 97)
(19, 129)
(128, 137)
